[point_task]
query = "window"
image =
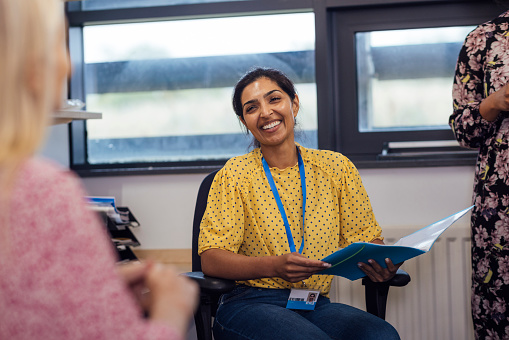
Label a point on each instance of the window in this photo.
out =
(374, 79)
(395, 69)
(164, 87)
(404, 77)
(166, 96)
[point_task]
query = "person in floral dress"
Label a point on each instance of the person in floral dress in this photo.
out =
(481, 121)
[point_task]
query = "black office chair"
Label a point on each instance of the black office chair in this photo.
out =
(212, 288)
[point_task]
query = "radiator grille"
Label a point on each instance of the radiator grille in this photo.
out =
(436, 303)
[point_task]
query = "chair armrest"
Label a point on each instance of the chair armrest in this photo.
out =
(211, 288)
(211, 285)
(377, 292)
(401, 279)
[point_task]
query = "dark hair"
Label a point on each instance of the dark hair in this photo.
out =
(275, 75)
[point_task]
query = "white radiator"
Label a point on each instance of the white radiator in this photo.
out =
(435, 305)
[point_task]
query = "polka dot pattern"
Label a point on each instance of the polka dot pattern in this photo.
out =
(242, 215)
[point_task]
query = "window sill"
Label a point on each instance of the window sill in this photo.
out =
(464, 158)
(131, 170)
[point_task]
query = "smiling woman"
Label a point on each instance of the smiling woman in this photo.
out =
(267, 104)
(270, 117)
(272, 214)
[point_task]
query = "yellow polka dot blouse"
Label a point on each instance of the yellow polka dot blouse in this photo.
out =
(242, 215)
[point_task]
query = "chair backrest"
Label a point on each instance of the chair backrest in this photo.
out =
(199, 210)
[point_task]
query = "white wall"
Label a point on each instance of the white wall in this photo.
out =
(418, 196)
(164, 204)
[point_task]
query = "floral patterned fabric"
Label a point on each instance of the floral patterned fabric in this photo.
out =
(483, 68)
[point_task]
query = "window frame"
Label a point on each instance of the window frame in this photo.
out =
(79, 18)
(336, 103)
(368, 149)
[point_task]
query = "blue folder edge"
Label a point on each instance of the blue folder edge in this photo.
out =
(345, 260)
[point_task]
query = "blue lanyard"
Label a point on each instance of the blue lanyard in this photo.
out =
(280, 204)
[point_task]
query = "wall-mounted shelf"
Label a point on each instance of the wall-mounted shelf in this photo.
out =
(67, 116)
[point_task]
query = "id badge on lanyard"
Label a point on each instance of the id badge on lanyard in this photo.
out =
(303, 299)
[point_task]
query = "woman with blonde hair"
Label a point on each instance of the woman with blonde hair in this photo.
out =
(58, 278)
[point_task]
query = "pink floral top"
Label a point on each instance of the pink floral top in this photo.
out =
(483, 68)
(57, 275)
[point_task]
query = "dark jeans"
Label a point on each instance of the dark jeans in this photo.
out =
(259, 313)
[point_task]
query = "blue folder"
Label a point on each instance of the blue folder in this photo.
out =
(344, 261)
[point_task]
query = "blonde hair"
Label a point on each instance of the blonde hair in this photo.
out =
(28, 33)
